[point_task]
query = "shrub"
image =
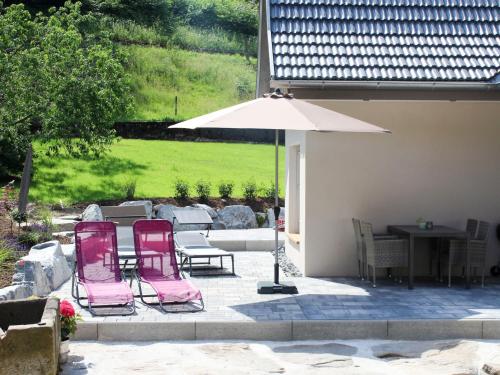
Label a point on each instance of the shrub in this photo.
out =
(250, 190)
(268, 191)
(226, 189)
(128, 188)
(261, 219)
(203, 189)
(181, 189)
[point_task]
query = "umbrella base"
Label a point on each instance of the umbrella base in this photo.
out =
(268, 287)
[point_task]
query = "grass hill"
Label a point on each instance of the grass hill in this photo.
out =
(203, 82)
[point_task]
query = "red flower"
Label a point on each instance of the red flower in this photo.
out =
(67, 309)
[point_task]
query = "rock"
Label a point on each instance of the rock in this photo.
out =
(165, 211)
(92, 213)
(17, 291)
(491, 368)
(45, 267)
(238, 217)
(270, 216)
(69, 253)
(147, 204)
(218, 224)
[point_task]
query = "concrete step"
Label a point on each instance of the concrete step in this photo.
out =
(282, 330)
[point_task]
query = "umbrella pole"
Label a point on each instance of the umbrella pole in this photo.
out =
(277, 209)
(271, 287)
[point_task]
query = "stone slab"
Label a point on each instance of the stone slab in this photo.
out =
(244, 330)
(86, 331)
(145, 331)
(491, 329)
(434, 329)
(339, 329)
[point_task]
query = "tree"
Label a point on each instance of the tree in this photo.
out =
(62, 82)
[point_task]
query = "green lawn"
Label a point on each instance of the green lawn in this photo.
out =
(155, 165)
(203, 82)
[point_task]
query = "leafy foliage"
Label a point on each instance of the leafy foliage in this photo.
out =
(181, 190)
(268, 191)
(226, 189)
(203, 189)
(61, 81)
(128, 187)
(250, 190)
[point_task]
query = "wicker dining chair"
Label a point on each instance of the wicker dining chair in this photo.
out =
(360, 247)
(383, 252)
(478, 245)
(436, 259)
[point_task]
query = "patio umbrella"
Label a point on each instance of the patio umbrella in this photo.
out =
(279, 112)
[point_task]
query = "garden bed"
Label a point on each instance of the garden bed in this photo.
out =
(257, 205)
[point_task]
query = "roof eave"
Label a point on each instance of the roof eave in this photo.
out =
(386, 85)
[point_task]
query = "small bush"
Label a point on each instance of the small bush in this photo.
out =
(18, 216)
(268, 191)
(250, 190)
(128, 188)
(203, 189)
(30, 238)
(226, 190)
(181, 189)
(261, 219)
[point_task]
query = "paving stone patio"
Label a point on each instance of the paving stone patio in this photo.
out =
(229, 298)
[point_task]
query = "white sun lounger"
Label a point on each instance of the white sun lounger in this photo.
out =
(193, 245)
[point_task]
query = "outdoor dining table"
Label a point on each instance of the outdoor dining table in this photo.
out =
(438, 231)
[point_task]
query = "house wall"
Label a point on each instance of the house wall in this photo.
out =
(441, 163)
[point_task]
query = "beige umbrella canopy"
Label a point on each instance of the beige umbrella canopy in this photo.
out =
(279, 112)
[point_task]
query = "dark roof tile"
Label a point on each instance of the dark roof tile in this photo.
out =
(416, 40)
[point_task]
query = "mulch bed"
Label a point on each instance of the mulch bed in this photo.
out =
(258, 205)
(7, 267)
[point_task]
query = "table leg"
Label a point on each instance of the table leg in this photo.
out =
(467, 264)
(411, 255)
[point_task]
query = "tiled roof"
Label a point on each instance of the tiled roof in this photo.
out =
(386, 40)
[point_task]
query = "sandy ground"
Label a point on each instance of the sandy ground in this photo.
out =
(319, 357)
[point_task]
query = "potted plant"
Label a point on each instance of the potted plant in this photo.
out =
(69, 319)
(421, 223)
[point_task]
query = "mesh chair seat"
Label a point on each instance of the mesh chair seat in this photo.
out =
(116, 293)
(172, 291)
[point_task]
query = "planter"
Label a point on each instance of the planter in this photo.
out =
(64, 351)
(32, 336)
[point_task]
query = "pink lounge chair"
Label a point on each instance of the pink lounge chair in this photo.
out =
(157, 265)
(99, 269)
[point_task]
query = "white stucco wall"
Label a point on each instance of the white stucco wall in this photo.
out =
(442, 163)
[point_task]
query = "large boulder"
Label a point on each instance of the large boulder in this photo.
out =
(218, 224)
(45, 267)
(92, 213)
(238, 217)
(166, 212)
(147, 204)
